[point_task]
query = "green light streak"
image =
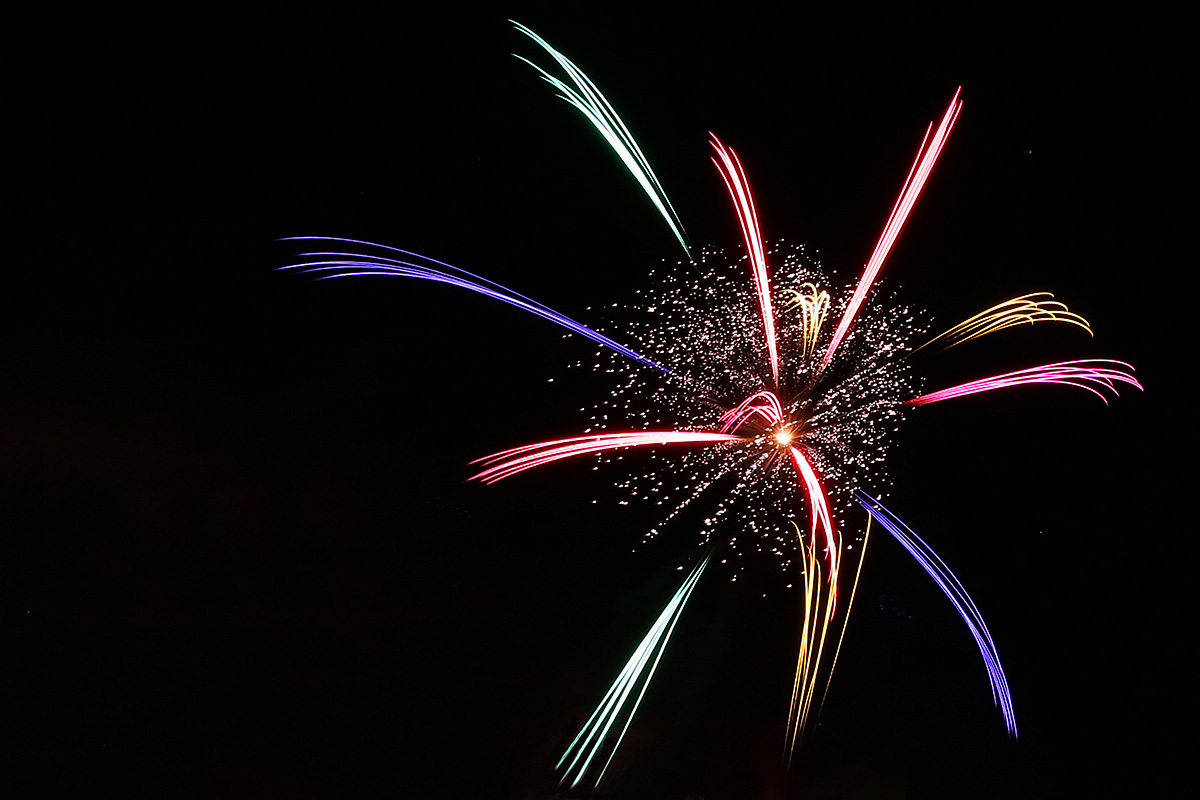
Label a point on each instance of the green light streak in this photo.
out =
(586, 97)
(591, 737)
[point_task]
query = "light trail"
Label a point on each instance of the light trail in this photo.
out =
(334, 264)
(738, 184)
(813, 625)
(820, 598)
(763, 404)
(639, 670)
(509, 462)
(927, 156)
(814, 305)
(818, 510)
(1024, 310)
(586, 97)
(1090, 375)
(962, 601)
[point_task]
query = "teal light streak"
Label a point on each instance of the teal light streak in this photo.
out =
(593, 105)
(592, 735)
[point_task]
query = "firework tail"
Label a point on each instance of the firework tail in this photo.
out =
(1091, 375)
(1024, 310)
(820, 597)
(518, 459)
(954, 590)
(927, 156)
(738, 184)
(585, 97)
(597, 734)
(862, 554)
(333, 264)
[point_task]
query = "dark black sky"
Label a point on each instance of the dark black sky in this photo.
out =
(240, 558)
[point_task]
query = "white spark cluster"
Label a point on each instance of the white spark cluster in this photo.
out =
(703, 323)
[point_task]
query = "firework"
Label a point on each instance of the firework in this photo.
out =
(724, 376)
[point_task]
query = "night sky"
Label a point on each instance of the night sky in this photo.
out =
(240, 558)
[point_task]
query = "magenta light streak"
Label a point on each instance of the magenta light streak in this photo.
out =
(769, 409)
(927, 156)
(738, 185)
(1091, 375)
(509, 462)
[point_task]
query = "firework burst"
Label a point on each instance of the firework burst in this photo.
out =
(766, 387)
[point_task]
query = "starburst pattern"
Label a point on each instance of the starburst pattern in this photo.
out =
(739, 384)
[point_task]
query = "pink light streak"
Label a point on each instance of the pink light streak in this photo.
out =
(1091, 375)
(769, 409)
(507, 463)
(927, 156)
(738, 185)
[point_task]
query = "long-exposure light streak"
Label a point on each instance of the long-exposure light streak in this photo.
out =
(814, 593)
(738, 185)
(813, 304)
(590, 740)
(926, 157)
(862, 554)
(1090, 375)
(820, 598)
(341, 265)
(763, 404)
(518, 459)
(954, 590)
(836, 417)
(595, 107)
(818, 508)
(1024, 310)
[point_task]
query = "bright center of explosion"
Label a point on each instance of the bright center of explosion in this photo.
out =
(783, 436)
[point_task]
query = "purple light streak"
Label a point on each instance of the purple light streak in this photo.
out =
(953, 589)
(341, 265)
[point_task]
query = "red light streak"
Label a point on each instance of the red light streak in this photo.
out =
(821, 517)
(738, 185)
(509, 462)
(917, 175)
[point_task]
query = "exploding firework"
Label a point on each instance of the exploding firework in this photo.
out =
(763, 401)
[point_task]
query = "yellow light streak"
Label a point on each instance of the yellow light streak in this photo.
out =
(846, 619)
(820, 606)
(812, 583)
(814, 305)
(1026, 309)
